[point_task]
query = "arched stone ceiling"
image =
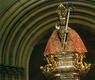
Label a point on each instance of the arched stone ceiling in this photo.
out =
(24, 22)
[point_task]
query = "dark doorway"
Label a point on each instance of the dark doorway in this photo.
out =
(36, 59)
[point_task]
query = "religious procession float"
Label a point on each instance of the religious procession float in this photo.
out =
(65, 51)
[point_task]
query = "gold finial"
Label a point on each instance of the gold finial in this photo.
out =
(62, 12)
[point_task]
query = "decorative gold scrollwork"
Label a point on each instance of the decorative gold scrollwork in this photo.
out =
(79, 64)
(52, 64)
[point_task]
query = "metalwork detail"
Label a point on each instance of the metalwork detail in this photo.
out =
(68, 66)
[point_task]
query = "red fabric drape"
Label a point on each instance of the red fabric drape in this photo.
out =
(73, 43)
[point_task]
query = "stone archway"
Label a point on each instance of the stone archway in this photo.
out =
(23, 23)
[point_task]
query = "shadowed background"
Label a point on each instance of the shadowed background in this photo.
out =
(25, 27)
